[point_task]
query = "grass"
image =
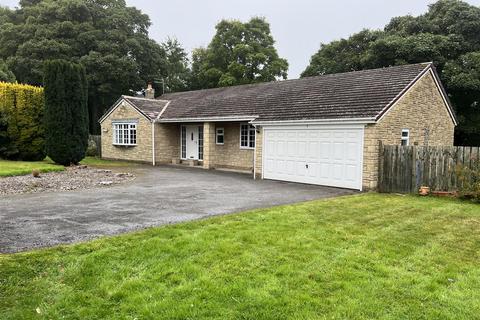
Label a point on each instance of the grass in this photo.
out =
(17, 168)
(98, 162)
(359, 257)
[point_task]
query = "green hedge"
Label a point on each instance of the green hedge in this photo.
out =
(22, 134)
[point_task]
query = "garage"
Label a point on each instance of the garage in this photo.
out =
(314, 154)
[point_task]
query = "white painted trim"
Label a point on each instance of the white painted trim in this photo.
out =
(445, 100)
(362, 158)
(153, 143)
(163, 110)
(208, 119)
(399, 96)
(240, 136)
(407, 138)
(216, 135)
(119, 102)
(411, 86)
(337, 121)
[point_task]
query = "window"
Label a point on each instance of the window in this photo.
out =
(200, 142)
(184, 142)
(405, 137)
(247, 136)
(125, 134)
(220, 136)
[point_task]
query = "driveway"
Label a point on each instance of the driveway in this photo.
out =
(160, 195)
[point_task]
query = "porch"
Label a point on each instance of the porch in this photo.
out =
(223, 145)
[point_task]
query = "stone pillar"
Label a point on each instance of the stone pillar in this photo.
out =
(208, 145)
(258, 152)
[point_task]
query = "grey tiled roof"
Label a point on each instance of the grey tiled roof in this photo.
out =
(150, 107)
(353, 95)
(359, 94)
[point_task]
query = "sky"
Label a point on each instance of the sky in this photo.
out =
(298, 26)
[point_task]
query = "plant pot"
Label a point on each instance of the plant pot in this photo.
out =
(424, 191)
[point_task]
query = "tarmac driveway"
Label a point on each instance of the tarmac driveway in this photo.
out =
(160, 195)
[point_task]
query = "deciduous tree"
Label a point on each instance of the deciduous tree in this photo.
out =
(448, 35)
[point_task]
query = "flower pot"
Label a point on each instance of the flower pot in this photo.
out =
(424, 191)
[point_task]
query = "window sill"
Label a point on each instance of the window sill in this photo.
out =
(124, 145)
(219, 144)
(247, 148)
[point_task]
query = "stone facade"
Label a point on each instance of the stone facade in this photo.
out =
(167, 142)
(259, 153)
(422, 111)
(230, 155)
(142, 152)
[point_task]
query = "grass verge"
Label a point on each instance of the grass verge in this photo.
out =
(359, 257)
(17, 168)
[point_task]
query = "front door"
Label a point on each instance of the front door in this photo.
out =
(192, 142)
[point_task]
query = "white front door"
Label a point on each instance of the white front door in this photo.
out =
(192, 142)
(323, 155)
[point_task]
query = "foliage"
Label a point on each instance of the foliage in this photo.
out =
(66, 113)
(5, 74)
(447, 34)
(21, 122)
(239, 53)
(102, 163)
(177, 70)
(17, 168)
(360, 257)
(107, 37)
(469, 181)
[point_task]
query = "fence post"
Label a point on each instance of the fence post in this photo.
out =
(380, 166)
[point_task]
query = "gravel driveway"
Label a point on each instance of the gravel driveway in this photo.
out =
(159, 195)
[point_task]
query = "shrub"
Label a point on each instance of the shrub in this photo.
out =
(22, 135)
(66, 113)
(469, 181)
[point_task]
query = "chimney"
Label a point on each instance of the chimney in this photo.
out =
(150, 92)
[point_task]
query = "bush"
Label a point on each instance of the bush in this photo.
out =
(66, 113)
(22, 135)
(469, 181)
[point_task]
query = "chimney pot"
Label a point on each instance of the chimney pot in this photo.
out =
(149, 92)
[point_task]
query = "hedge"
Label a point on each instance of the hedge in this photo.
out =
(22, 134)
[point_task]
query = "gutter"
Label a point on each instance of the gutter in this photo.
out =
(316, 121)
(206, 119)
(153, 143)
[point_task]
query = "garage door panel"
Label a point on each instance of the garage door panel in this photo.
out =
(330, 156)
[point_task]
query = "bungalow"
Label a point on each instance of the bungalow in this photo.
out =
(322, 130)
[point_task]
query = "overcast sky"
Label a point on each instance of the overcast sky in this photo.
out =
(298, 26)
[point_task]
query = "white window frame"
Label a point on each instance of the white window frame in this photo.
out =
(220, 134)
(251, 135)
(123, 133)
(405, 138)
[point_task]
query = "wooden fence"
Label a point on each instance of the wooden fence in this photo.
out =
(405, 169)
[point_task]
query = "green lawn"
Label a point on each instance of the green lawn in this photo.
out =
(98, 162)
(359, 257)
(17, 168)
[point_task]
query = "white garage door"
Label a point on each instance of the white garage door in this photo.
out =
(329, 156)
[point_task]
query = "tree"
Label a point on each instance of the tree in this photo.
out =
(5, 74)
(66, 119)
(448, 35)
(239, 53)
(21, 122)
(108, 38)
(176, 67)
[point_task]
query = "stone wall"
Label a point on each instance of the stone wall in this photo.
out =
(259, 153)
(142, 152)
(167, 142)
(422, 111)
(230, 155)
